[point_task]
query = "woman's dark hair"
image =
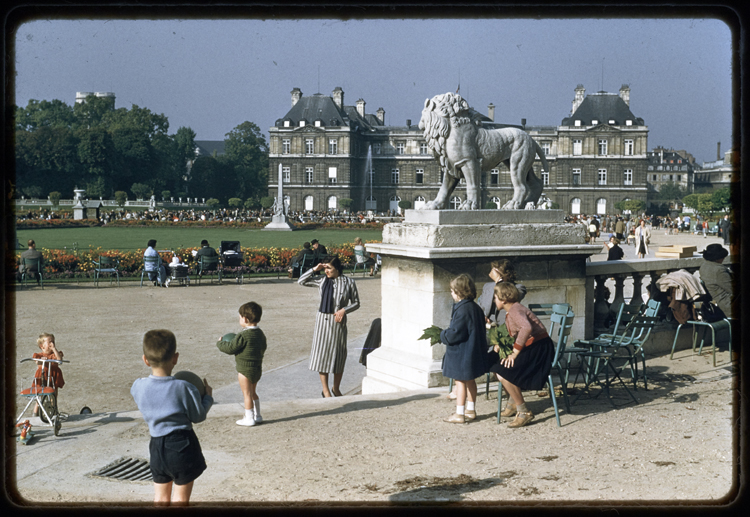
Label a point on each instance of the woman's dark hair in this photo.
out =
(336, 263)
(306, 245)
(506, 269)
(152, 243)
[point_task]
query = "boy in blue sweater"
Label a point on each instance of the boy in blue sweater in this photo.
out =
(170, 407)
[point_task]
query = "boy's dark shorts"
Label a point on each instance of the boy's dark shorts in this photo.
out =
(176, 457)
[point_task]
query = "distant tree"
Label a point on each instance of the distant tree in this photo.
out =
(404, 204)
(266, 202)
(121, 197)
(54, 197)
(490, 205)
(247, 152)
(635, 206)
(166, 194)
(345, 203)
(39, 114)
(252, 203)
(91, 113)
(701, 203)
(235, 202)
(722, 199)
(98, 156)
(32, 191)
(141, 190)
(212, 202)
(670, 191)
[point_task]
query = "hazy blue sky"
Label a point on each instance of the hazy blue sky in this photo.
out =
(212, 75)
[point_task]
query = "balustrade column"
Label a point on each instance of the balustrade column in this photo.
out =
(637, 288)
(601, 310)
(619, 298)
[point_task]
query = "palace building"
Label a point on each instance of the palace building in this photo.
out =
(326, 149)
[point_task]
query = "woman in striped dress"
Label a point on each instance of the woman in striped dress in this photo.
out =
(338, 297)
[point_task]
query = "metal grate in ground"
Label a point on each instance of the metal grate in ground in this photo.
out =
(126, 469)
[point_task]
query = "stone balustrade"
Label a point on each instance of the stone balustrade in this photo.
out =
(629, 279)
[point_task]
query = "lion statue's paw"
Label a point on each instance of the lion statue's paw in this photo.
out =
(468, 205)
(511, 205)
(432, 205)
(530, 206)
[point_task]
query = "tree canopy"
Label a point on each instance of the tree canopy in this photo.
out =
(105, 150)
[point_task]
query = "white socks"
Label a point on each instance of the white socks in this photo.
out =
(469, 406)
(460, 410)
(248, 419)
(256, 412)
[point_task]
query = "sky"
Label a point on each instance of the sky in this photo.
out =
(212, 75)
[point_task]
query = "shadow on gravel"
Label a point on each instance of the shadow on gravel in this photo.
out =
(357, 406)
(435, 489)
(661, 388)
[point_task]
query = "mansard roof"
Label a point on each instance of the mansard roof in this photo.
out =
(603, 107)
(322, 107)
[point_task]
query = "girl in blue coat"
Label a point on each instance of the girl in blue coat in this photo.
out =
(465, 356)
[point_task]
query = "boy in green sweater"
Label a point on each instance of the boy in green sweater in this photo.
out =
(248, 347)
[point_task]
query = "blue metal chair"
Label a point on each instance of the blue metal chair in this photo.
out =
(155, 263)
(600, 358)
(108, 265)
(722, 326)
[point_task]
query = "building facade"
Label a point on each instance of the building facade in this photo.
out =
(718, 174)
(326, 149)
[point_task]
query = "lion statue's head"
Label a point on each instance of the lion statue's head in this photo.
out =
(440, 115)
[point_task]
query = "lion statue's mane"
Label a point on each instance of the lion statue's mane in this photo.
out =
(454, 133)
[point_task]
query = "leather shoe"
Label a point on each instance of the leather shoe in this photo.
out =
(470, 415)
(455, 419)
(509, 410)
(522, 419)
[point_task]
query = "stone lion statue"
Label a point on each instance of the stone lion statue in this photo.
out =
(453, 131)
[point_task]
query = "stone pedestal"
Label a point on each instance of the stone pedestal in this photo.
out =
(279, 223)
(424, 253)
(80, 212)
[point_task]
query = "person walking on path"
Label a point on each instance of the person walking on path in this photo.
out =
(642, 239)
(724, 228)
(338, 297)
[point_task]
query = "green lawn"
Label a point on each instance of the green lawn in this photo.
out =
(173, 238)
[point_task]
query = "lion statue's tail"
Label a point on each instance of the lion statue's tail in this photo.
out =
(536, 185)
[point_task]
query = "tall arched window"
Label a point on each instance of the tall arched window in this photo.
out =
(371, 203)
(308, 202)
(419, 202)
(575, 206)
(455, 203)
(332, 203)
(601, 206)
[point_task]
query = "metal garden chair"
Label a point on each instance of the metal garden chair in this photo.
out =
(155, 262)
(32, 266)
(108, 265)
(208, 266)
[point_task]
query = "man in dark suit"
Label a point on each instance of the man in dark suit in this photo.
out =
(295, 266)
(30, 253)
(206, 251)
(320, 251)
(724, 225)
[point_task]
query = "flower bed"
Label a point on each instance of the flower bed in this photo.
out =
(31, 224)
(61, 264)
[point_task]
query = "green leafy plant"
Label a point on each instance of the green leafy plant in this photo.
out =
(433, 334)
(498, 336)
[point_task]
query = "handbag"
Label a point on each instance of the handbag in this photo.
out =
(710, 313)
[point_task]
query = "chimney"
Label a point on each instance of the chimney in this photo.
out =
(408, 122)
(491, 112)
(625, 93)
(580, 92)
(718, 151)
(523, 123)
(296, 95)
(361, 107)
(338, 97)
(381, 115)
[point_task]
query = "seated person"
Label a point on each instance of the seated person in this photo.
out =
(718, 279)
(206, 251)
(156, 272)
(365, 258)
(30, 253)
(295, 265)
(320, 252)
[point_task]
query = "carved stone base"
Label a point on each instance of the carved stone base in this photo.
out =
(279, 223)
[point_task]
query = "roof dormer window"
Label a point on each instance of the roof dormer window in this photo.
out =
(611, 122)
(302, 123)
(628, 122)
(594, 122)
(578, 123)
(287, 123)
(318, 123)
